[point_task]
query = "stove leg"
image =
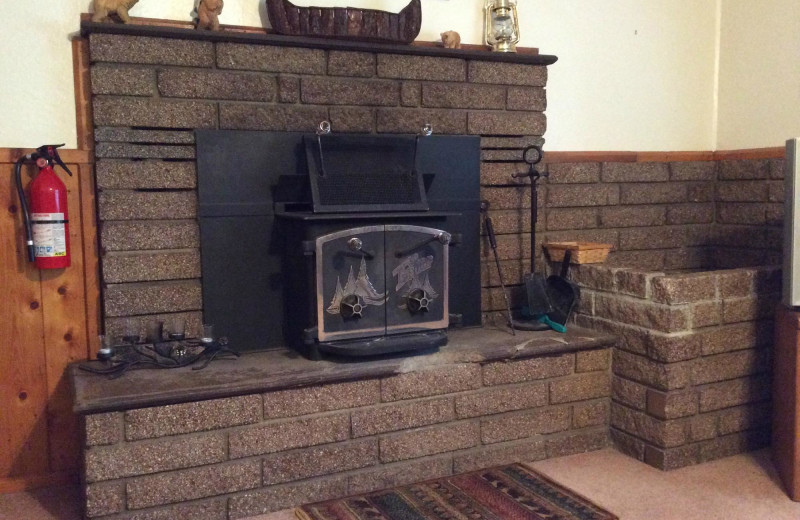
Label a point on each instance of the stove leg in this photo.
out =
(312, 352)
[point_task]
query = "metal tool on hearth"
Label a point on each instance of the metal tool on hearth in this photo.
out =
(487, 220)
(535, 283)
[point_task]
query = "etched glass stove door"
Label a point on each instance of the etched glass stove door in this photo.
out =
(351, 284)
(416, 278)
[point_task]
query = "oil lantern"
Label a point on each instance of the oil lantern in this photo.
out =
(502, 26)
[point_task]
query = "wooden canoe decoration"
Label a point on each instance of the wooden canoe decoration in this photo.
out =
(346, 22)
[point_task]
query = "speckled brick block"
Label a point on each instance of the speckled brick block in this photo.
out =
(128, 135)
(149, 235)
(573, 173)
(388, 418)
(635, 172)
(298, 433)
(743, 169)
(273, 59)
(591, 360)
(324, 398)
(500, 173)
(275, 498)
(672, 405)
(507, 123)
(527, 450)
(132, 175)
(664, 434)
(191, 484)
(449, 95)
(649, 315)
(346, 63)
(215, 509)
(730, 366)
(352, 119)
(649, 193)
(658, 375)
(124, 81)
(503, 399)
(131, 299)
(427, 68)
(129, 111)
(693, 171)
(142, 458)
(349, 91)
(143, 205)
(675, 289)
(104, 498)
(103, 428)
(322, 460)
(400, 474)
(525, 98)
(138, 267)
(271, 117)
(505, 372)
(507, 74)
(411, 94)
(575, 195)
(633, 216)
(591, 414)
(408, 121)
(520, 425)
(435, 381)
(429, 441)
(160, 421)
(577, 442)
(151, 51)
(143, 151)
(207, 84)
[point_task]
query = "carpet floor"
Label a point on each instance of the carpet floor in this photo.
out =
(742, 487)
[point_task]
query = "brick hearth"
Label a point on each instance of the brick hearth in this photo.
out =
(280, 439)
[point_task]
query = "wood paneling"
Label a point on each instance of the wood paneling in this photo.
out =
(46, 320)
(722, 155)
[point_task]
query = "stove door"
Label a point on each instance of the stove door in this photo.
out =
(351, 284)
(417, 278)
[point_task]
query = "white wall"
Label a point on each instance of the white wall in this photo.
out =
(759, 76)
(631, 75)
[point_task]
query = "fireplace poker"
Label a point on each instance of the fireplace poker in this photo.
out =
(493, 243)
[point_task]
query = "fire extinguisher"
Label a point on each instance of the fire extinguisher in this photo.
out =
(47, 219)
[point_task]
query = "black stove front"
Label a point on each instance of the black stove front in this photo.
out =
(342, 244)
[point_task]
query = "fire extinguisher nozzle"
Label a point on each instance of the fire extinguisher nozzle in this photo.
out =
(31, 255)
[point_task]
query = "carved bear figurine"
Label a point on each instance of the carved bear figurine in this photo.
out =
(104, 8)
(208, 14)
(451, 40)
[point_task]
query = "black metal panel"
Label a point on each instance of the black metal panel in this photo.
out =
(243, 271)
(242, 295)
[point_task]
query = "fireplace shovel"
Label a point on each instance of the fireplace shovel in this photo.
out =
(535, 284)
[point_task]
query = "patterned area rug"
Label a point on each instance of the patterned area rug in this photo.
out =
(512, 492)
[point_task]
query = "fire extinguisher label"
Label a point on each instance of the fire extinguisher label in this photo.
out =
(49, 234)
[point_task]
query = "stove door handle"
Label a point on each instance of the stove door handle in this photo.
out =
(442, 237)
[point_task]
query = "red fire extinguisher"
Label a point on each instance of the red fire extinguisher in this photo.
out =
(47, 219)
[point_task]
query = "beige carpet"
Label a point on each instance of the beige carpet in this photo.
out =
(736, 488)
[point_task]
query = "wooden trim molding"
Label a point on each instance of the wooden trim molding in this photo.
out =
(722, 155)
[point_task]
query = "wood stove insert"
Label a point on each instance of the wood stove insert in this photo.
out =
(299, 248)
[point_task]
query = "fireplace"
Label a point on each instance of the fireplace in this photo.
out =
(351, 244)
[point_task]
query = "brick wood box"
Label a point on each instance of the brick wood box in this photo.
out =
(481, 401)
(692, 369)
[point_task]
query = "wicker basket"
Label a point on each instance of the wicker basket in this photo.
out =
(582, 252)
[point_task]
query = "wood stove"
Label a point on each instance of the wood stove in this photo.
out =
(345, 244)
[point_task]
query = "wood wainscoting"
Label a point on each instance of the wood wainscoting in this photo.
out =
(48, 319)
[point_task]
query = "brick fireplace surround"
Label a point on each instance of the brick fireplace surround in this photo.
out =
(688, 380)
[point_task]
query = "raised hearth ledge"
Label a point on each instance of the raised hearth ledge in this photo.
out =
(278, 40)
(256, 372)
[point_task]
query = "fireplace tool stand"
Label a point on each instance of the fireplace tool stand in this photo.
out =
(535, 284)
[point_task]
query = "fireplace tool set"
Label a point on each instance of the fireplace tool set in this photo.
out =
(551, 300)
(177, 352)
